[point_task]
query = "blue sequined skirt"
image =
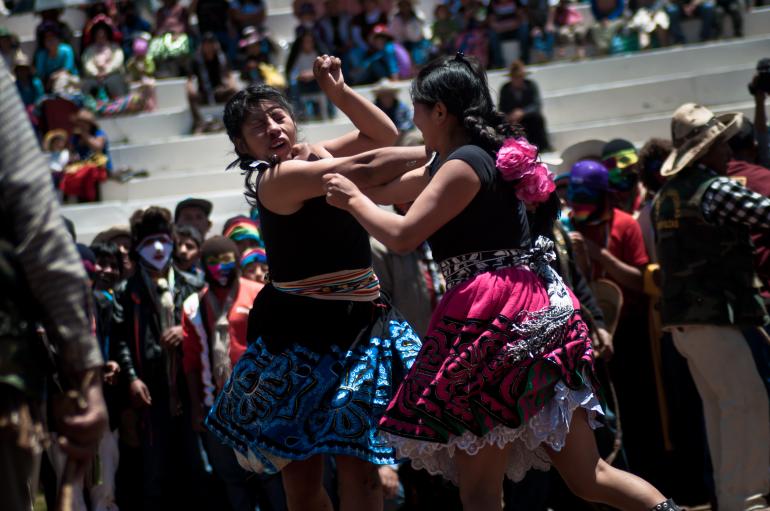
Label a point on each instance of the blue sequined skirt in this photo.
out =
(296, 403)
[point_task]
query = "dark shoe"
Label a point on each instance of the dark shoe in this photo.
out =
(667, 506)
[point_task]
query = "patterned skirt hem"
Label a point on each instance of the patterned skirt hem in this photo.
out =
(549, 427)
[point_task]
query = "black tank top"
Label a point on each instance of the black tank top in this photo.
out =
(315, 240)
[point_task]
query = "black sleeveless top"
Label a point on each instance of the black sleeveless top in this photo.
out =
(495, 218)
(315, 240)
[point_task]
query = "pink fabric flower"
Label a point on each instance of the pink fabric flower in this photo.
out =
(536, 186)
(516, 158)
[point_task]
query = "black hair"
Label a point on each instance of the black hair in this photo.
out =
(148, 222)
(108, 249)
(651, 158)
(461, 85)
(237, 110)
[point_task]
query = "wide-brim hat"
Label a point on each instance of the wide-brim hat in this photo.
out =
(584, 150)
(694, 129)
(51, 136)
(385, 85)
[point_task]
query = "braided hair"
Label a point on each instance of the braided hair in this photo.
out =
(461, 85)
(237, 111)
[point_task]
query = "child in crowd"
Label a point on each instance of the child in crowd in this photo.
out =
(254, 264)
(55, 144)
(244, 232)
(187, 252)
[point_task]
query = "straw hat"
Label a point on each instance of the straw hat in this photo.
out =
(694, 129)
(385, 85)
(50, 136)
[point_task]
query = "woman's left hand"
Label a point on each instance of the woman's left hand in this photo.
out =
(328, 73)
(340, 191)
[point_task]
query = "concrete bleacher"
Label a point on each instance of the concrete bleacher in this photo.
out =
(631, 96)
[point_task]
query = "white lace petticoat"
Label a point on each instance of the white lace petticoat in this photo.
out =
(550, 427)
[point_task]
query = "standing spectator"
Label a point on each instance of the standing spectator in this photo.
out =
(445, 29)
(43, 281)
(386, 98)
(103, 73)
(244, 232)
(651, 159)
(187, 250)
(409, 28)
(702, 222)
(214, 326)
(620, 158)
(120, 235)
(55, 56)
(27, 82)
(163, 468)
(520, 102)
(214, 17)
(254, 264)
(195, 212)
(299, 71)
(131, 25)
(211, 81)
(171, 48)
(335, 28)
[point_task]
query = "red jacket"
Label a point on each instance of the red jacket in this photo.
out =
(196, 345)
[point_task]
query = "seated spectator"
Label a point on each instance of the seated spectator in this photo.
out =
(248, 13)
(140, 65)
(386, 99)
(214, 17)
(254, 264)
(542, 31)
(171, 48)
(55, 58)
(408, 28)
(211, 81)
(445, 29)
(651, 22)
(570, 29)
(9, 46)
(103, 74)
(509, 19)
(679, 9)
(299, 73)
(255, 44)
(55, 145)
(195, 212)
(50, 17)
(335, 29)
(733, 9)
(474, 38)
(29, 85)
(131, 25)
(187, 250)
(93, 163)
(363, 23)
(308, 21)
(609, 21)
(520, 102)
(381, 61)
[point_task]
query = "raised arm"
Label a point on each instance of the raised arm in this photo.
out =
(284, 187)
(373, 127)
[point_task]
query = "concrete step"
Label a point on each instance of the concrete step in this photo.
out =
(172, 183)
(147, 127)
(197, 151)
(90, 219)
(23, 25)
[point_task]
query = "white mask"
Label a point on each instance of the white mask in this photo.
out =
(150, 251)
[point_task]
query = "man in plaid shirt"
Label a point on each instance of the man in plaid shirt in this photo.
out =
(710, 296)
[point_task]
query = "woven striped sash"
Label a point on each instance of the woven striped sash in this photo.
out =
(356, 285)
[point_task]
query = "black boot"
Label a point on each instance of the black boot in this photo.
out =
(668, 505)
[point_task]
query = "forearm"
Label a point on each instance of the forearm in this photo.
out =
(388, 228)
(372, 122)
(382, 166)
(629, 277)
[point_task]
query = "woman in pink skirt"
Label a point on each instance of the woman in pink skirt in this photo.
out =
(504, 380)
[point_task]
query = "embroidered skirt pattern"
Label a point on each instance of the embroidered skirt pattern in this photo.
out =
(507, 360)
(296, 403)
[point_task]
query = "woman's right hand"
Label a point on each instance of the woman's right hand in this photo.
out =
(140, 394)
(328, 73)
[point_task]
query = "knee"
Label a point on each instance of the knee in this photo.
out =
(358, 473)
